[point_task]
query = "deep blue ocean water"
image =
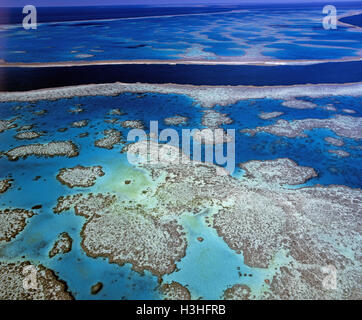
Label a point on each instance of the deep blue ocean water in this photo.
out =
(60, 14)
(209, 33)
(24, 79)
(353, 20)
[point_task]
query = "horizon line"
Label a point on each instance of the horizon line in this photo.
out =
(190, 4)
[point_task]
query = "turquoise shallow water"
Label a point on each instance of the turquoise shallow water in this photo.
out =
(203, 269)
(211, 266)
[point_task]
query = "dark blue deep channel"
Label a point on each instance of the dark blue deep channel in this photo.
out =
(23, 79)
(353, 20)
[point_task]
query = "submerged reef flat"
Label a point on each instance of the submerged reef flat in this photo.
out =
(112, 137)
(40, 112)
(111, 121)
(176, 120)
(7, 124)
(12, 222)
(5, 185)
(213, 119)
(350, 111)
(344, 126)
(270, 115)
(299, 104)
(83, 135)
(281, 171)
(46, 285)
(28, 135)
(80, 176)
(76, 110)
(340, 153)
(134, 124)
(51, 149)
(207, 96)
(116, 112)
(84, 55)
(334, 141)
(175, 291)
(80, 124)
(26, 127)
(329, 107)
(62, 245)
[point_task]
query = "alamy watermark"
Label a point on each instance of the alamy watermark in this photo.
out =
(30, 280)
(330, 21)
(30, 21)
(330, 280)
(208, 145)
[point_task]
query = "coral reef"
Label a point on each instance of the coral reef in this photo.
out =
(5, 185)
(12, 222)
(51, 149)
(176, 120)
(339, 153)
(213, 119)
(175, 291)
(7, 124)
(79, 124)
(207, 96)
(299, 104)
(334, 141)
(270, 115)
(62, 245)
(126, 233)
(47, 285)
(80, 176)
(112, 137)
(344, 126)
(96, 288)
(28, 135)
(116, 112)
(135, 124)
(237, 292)
(280, 171)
